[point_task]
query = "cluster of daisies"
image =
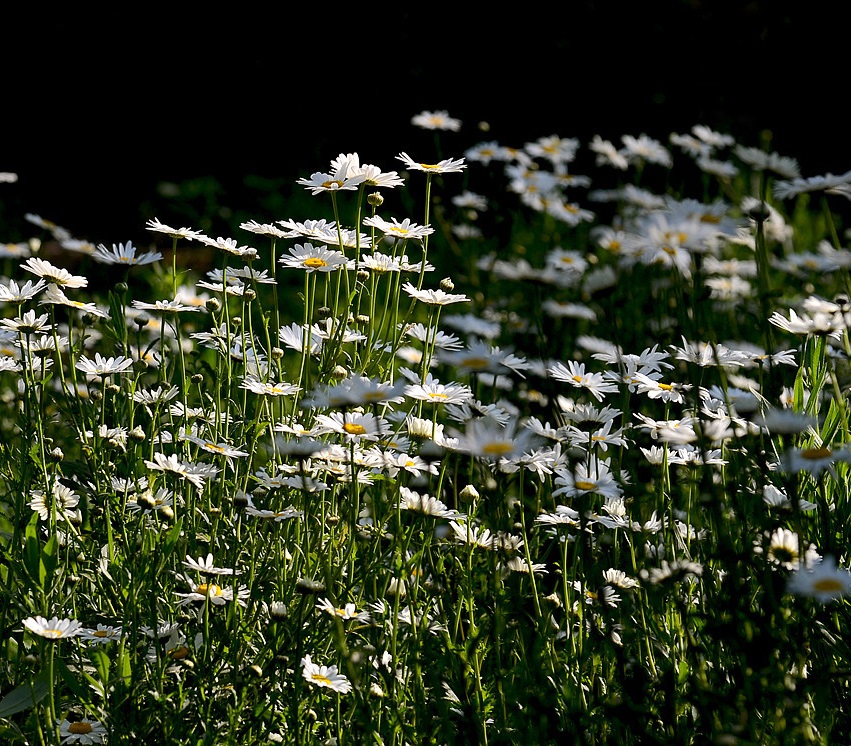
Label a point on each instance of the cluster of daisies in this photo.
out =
(376, 404)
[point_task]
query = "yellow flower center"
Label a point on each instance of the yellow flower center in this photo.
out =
(80, 728)
(100, 633)
(583, 485)
(475, 362)
(213, 447)
(209, 589)
(828, 585)
(435, 395)
(178, 653)
(332, 184)
(666, 386)
(321, 679)
(315, 262)
(498, 449)
(429, 165)
(352, 428)
(814, 454)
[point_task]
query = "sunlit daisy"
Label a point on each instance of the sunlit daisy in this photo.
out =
(16, 294)
(397, 229)
(214, 593)
(55, 275)
(187, 233)
(206, 566)
(53, 628)
(124, 254)
(446, 166)
(54, 295)
(324, 676)
(314, 258)
(104, 366)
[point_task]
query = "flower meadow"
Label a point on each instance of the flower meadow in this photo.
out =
(542, 443)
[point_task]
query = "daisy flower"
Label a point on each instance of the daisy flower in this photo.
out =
(53, 628)
(84, 732)
(346, 612)
(324, 676)
(55, 275)
(321, 182)
(353, 425)
(14, 293)
(62, 497)
(492, 441)
(206, 566)
(815, 460)
(104, 366)
(644, 149)
(434, 297)
(212, 592)
(446, 166)
(436, 120)
(54, 295)
(797, 186)
(396, 229)
(426, 505)
(187, 233)
(165, 306)
(575, 374)
(124, 254)
(759, 160)
(314, 258)
(824, 581)
(268, 388)
(595, 477)
(101, 635)
(439, 393)
(229, 245)
(194, 473)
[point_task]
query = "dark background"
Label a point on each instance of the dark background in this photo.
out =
(100, 109)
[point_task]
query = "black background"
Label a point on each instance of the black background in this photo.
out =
(99, 109)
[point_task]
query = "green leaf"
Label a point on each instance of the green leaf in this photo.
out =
(25, 696)
(100, 659)
(49, 561)
(32, 551)
(81, 692)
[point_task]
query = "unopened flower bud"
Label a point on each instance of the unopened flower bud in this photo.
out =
(277, 353)
(56, 454)
(277, 610)
(339, 373)
(137, 433)
(447, 285)
(213, 304)
(323, 312)
(469, 493)
(375, 199)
